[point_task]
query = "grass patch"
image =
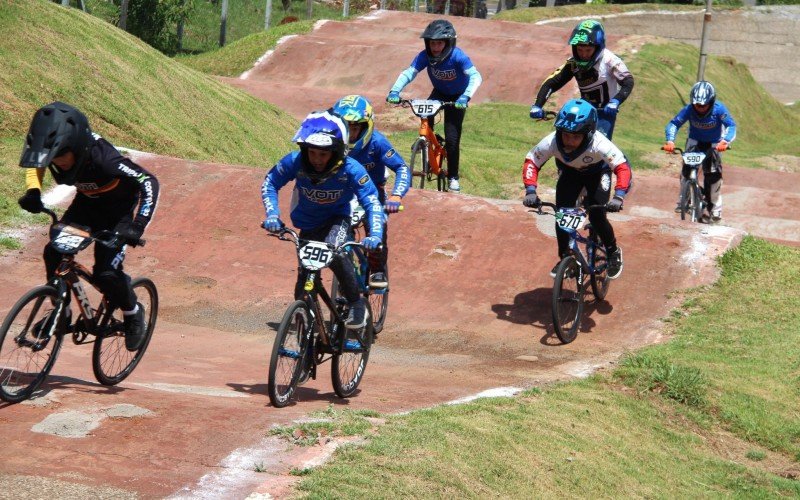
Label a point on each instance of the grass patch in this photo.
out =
(324, 424)
(238, 57)
(729, 367)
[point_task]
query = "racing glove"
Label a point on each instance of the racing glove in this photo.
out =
(273, 224)
(537, 113)
(371, 242)
(393, 204)
(393, 97)
(722, 145)
(615, 205)
(669, 147)
(462, 102)
(32, 201)
(532, 199)
(612, 108)
(130, 231)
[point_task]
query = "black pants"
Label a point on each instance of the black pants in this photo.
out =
(108, 270)
(453, 123)
(598, 190)
(335, 232)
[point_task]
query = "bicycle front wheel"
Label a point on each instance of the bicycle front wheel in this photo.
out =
(112, 362)
(419, 161)
(28, 349)
(567, 300)
(288, 354)
(349, 364)
(599, 278)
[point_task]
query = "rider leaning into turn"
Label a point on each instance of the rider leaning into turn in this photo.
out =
(454, 78)
(584, 160)
(110, 188)
(374, 151)
(711, 127)
(325, 182)
(602, 76)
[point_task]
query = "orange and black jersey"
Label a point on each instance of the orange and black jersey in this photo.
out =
(110, 180)
(607, 79)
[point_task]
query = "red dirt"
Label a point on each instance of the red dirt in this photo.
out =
(469, 307)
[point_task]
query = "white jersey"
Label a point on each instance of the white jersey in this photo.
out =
(600, 151)
(600, 83)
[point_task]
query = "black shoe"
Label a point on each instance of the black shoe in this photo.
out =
(134, 329)
(357, 317)
(614, 264)
(378, 280)
(553, 271)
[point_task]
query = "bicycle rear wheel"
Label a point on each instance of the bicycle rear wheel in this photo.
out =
(379, 302)
(441, 179)
(419, 161)
(599, 278)
(567, 300)
(697, 203)
(112, 362)
(288, 353)
(28, 355)
(348, 365)
(686, 199)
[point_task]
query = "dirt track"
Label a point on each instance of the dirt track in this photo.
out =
(469, 310)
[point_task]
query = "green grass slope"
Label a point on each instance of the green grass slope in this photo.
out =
(132, 94)
(239, 56)
(534, 14)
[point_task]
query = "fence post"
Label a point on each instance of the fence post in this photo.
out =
(346, 8)
(267, 14)
(701, 66)
(123, 16)
(309, 8)
(223, 25)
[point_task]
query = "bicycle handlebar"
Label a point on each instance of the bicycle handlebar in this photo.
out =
(297, 240)
(548, 115)
(679, 151)
(555, 207)
(105, 237)
(405, 103)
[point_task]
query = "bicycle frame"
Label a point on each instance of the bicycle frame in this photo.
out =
(67, 280)
(313, 290)
(424, 109)
(584, 258)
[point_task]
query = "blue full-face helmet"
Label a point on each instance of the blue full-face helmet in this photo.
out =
(322, 130)
(578, 117)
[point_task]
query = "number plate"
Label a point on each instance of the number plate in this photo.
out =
(693, 158)
(571, 220)
(425, 107)
(357, 215)
(315, 255)
(69, 240)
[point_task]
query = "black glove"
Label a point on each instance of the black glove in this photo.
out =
(532, 200)
(32, 201)
(131, 232)
(615, 205)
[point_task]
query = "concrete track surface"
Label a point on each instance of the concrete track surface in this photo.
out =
(469, 309)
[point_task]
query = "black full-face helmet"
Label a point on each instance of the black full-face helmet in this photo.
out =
(440, 29)
(56, 129)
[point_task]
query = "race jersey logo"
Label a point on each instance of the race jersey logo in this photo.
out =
(369, 166)
(390, 153)
(444, 75)
(322, 196)
(605, 182)
(363, 180)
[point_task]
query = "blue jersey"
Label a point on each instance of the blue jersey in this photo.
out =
(704, 129)
(377, 156)
(450, 77)
(314, 204)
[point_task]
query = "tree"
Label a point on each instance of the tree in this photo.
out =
(155, 21)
